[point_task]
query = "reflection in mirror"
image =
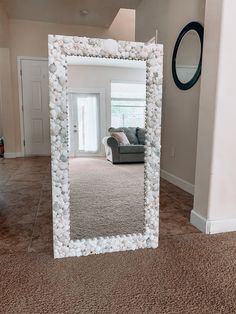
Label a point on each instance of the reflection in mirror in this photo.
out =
(107, 102)
(188, 56)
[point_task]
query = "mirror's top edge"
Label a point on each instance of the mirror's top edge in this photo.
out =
(83, 38)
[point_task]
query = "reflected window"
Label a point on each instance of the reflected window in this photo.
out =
(128, 102)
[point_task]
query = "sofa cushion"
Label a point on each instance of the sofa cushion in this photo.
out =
(141, 135)
(120, 137)
(131, 149)
(129, 132)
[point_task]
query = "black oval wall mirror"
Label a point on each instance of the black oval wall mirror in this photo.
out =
(187, 56)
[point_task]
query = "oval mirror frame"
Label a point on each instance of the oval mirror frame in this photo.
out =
(193, 26)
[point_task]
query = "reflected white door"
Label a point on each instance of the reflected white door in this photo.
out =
(35, 107)
(84, 124)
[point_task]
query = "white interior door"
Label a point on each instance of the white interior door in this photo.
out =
(85, 124)
(35, 107)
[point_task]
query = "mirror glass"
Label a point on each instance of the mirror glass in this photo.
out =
(107, 104)
(188, 56)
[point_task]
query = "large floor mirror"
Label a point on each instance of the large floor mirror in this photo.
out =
(105, 102)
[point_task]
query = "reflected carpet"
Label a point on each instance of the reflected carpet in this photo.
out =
(105, 199)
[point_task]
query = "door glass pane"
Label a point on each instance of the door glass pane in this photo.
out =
(87, 117)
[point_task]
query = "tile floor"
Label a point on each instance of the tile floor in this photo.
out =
(25, 207)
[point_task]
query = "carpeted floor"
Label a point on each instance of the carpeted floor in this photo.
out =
(105, 199)
(26, 207)
(189, 274)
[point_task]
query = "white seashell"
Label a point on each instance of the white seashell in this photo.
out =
(52, 68)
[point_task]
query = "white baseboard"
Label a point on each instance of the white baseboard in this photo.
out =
(182, 184)
(220, 226)
(13, 155)
(198, 221)
(212, 226)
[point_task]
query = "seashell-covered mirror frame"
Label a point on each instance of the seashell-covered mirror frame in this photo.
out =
(59, 48)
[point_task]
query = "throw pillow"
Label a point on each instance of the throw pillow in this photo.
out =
(131, 135)
(129, 132)
(141, 135)
(121, 138)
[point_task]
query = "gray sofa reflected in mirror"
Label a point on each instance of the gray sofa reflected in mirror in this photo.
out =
(129, 153)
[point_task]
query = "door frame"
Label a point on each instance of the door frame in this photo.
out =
(20, 96)
(102, 113)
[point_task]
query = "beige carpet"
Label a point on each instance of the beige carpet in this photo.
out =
(190, 274)
(105, 199)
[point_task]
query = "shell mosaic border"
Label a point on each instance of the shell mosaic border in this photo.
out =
(59, 48)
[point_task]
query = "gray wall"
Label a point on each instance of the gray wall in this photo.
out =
(180, 108)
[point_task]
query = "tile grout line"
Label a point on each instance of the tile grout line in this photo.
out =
(8, 179)
(36, 215)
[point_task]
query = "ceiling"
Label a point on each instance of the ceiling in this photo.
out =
(101, 12)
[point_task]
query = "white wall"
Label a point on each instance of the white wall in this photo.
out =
(215, 193)
(29, 38)
(180, 108)
(101, 77)
(207, 106)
